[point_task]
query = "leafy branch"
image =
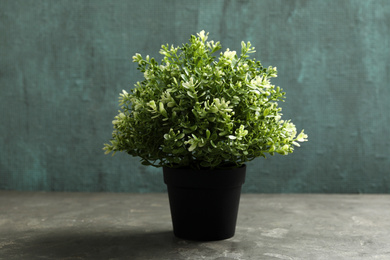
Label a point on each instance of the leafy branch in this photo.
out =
(198, 109)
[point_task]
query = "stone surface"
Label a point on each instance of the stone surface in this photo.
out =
(81, 226)
(64, 63)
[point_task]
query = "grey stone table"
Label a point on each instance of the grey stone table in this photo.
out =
(77, 226)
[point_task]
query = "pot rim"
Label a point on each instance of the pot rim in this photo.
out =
(216, 178)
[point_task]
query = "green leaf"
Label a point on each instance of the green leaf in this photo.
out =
(192, 147)
(208, 133)
(189, 93)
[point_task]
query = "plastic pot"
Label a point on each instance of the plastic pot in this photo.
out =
(204, 203)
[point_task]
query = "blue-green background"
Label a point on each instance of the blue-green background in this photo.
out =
(63, 64)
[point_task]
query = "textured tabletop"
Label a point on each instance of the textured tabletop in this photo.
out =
(77, 226)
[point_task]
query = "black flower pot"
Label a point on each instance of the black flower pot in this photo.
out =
(204, 203)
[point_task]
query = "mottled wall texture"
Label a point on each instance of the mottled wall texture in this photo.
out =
(63, 64)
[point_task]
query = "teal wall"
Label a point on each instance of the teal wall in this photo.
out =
(63, 64)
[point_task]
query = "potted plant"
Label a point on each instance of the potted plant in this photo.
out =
(201, 115)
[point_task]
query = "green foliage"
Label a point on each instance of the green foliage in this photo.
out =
(200, 109)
